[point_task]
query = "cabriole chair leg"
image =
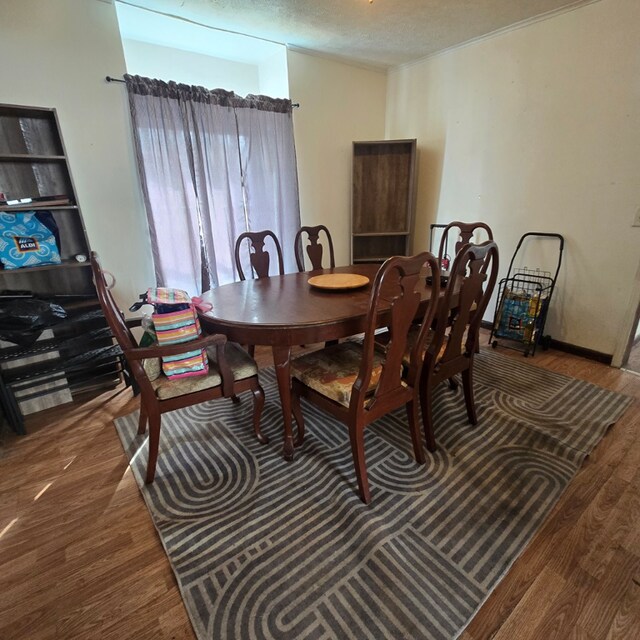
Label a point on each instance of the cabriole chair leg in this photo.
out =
(258, 404)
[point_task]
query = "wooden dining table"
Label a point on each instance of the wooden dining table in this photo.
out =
(285, 311)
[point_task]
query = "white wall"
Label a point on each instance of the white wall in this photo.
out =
(159, 46)
(273, 75)
(339, 103)
(537, 130)
(533, 129)
(57, 54)
(166, 63)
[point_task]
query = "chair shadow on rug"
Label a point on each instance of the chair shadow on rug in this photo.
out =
(231, 371)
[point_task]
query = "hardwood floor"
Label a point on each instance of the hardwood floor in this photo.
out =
(633, 363)
(79, 556)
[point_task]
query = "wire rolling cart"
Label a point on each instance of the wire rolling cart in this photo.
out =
(524, 296)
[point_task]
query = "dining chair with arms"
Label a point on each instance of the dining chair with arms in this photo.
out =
(231, 371)
(259, 258)
(451, 345)
(314, 249)
(357, 383)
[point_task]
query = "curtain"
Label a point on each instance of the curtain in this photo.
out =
(219, 186)
(212, 165)
(268, 161)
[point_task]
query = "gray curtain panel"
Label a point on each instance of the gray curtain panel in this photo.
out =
(214, 139)
(212, 165)
(268, 158)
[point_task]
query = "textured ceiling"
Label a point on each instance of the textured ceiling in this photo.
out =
(381, 34)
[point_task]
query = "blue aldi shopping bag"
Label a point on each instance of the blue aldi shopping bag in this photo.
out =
(26, 242)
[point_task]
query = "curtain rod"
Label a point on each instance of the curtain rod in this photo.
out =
(294, 105)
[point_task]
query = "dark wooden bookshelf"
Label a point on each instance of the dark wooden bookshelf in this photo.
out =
(34, 164)
(383, 199)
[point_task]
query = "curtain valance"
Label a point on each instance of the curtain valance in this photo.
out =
(220, 97)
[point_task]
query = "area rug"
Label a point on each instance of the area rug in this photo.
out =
(262, 548)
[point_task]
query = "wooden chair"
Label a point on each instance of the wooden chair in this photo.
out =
(465, 231)
(259, 258)
(451, 346)
(231, 371)
(314, 248)
(357, 383)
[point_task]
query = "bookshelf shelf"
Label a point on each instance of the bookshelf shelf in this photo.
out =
(28, 157)
(37, 207)
(65, 264)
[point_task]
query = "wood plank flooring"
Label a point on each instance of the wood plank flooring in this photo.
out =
(633, 363)
(79, 557)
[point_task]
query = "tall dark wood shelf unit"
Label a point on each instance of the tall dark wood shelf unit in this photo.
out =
(76, 355)
(383, 199)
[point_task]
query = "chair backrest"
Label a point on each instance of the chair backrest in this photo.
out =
(471, 282)
(396, 292)
(314, 248)
(465, 232)
(258, 257)
(114, 317)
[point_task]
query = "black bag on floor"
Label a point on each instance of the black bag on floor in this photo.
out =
(22, 320)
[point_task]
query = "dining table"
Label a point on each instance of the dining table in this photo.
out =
(283, 311)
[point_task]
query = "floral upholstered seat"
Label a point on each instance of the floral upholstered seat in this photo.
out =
(333, 370)
(412, 336)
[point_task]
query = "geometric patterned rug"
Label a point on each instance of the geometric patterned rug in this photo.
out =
(263, 548)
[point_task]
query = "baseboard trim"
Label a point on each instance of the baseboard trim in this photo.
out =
(573, 349)
(583, 352)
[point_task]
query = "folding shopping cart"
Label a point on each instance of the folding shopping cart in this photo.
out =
(524, 296)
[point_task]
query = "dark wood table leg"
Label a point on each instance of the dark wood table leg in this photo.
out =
(282, 362)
